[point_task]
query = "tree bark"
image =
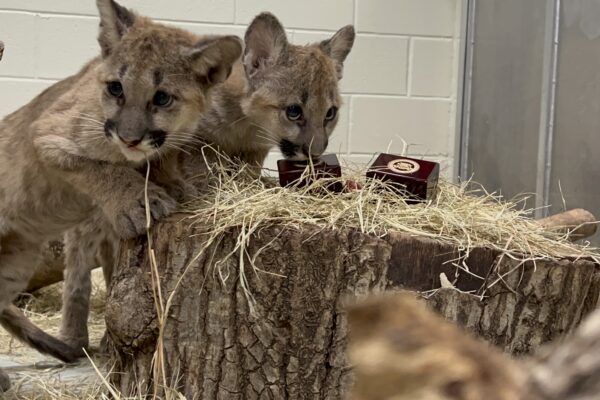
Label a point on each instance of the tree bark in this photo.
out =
(294, 346)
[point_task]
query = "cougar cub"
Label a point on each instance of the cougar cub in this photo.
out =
(73, 151)
(279, 95)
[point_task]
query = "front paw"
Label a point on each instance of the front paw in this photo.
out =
(77, 343)
(130, 219)
(182, 191)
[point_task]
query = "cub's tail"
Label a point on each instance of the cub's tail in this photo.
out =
(13, 320)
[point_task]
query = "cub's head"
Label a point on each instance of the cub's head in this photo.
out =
(294, 94)
(156, 80)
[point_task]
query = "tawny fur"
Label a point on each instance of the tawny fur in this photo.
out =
(73, 153)
(246, 118)
(400, 350)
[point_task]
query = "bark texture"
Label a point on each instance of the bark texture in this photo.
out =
(294, 347)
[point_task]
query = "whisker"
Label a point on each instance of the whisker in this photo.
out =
(229, 125)
(175, 147)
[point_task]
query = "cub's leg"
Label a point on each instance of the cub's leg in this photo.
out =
(107, 257)
(79, 260)
(86, 245)
(18, 258)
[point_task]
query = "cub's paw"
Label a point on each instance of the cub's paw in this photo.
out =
(77, 343)
(129, 218)
(181, 191)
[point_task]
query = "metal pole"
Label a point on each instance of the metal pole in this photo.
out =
(548, 103)
(463, 154)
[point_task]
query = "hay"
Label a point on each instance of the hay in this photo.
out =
(458, 216)
(43, 378)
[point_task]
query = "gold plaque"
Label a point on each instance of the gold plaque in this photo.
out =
(404, 166)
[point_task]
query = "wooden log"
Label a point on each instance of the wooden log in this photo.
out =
(570, 370)
(294, 346)
(528, 307)
(577, 223)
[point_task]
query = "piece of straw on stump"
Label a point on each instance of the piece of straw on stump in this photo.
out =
(212, 346)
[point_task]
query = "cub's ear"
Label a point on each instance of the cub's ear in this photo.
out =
(266, 44)
(213, 58)
(115, 21)
(339, 46)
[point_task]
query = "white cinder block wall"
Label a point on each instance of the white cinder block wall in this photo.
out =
(400, 80)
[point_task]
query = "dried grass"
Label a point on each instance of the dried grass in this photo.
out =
(458, 216)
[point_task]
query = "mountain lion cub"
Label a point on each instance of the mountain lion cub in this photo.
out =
(75, 148)
(279, 95)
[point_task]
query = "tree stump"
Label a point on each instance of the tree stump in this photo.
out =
(294, 344)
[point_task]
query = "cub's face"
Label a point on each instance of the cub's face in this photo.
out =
(149, 107)
(294, 95)
(297, 107)
(155, 81)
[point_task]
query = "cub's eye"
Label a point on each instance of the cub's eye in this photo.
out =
(331, 113)
(115, 88)
(162, 99)
(294, 112)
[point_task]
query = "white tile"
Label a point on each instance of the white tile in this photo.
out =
(407, 17)
(186, 10)
(57, 6)
(308, 14)
(17, 31)
(379, 123)
(203, 29)
(65, 44)
(22, 91)
(376, 64)
(432, 65)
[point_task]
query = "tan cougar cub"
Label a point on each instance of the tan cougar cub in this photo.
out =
(72, 152)
(280, 95)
